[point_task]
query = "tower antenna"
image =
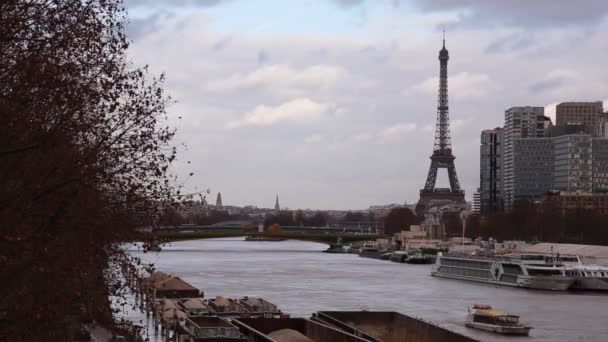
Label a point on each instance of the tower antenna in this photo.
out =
(444, 39)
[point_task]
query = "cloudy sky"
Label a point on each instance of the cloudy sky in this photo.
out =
(332, 103)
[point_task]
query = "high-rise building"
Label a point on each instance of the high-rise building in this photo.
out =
(218, 201)
(571, 128)
(603, 126)
(573, 164)
(476, 205)
(532, 168)
(490, 170)
(599, 153)
(586, 113)
(520, 123)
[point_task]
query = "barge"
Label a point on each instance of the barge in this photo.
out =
(387, 326)
(291, 330)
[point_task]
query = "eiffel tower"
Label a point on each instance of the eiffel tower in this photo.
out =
(442, 156)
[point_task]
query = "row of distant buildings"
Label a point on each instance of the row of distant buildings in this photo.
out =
(530, 158)
(192, 208)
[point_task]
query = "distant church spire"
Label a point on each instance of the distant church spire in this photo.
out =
(218, 201)
(276, 204)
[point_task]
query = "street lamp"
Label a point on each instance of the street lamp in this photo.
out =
(463, 217)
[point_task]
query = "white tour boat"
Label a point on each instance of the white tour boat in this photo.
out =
(503, 271)
(484, 317)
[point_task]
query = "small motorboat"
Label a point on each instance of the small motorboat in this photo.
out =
(398, 256)
(484, 317)
(416, 257)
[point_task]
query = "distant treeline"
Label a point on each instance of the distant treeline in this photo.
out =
(319, 218)
(532, 222)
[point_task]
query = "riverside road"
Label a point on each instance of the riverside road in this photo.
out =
(301, 280)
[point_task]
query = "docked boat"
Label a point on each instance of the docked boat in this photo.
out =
(484, 317)
(417, 257)
(590, 277)
(503, 271)
(263, 238)
(399, 256)
(369, 252)
(337, 247)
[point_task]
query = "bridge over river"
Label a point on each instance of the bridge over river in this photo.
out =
(313, 234)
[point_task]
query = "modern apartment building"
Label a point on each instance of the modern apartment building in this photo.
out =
(586, 113)
(572, 162)
(476, 205)
(520, 123)
(599, 152)
(603, 125)
(532, 168)
(490, 170)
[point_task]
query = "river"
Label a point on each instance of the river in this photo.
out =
(297, 277)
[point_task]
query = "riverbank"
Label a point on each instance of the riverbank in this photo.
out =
(301, 279)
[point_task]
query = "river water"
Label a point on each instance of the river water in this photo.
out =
(297, 277)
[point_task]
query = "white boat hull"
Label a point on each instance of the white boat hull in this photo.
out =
(595, 284)
(480, 280)
(499, 329)
(560, 283)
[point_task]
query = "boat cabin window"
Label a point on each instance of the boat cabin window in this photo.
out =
(545, 272)
(500, 320)
(512, 269)
(532, 257)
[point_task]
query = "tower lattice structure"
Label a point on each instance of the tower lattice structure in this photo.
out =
(442, 156)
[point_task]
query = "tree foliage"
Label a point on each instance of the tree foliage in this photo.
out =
(399, 219)
(530, 222)
(84, 155)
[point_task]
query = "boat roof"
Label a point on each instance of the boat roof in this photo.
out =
(492, 313)
(590, 268)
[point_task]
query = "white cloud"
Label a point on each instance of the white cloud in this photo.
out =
(397, 132)
(457, 124)
(217, 77)
(362, 137)
(279, 75)
(461, 85)
(302, 109)
(314, 139)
